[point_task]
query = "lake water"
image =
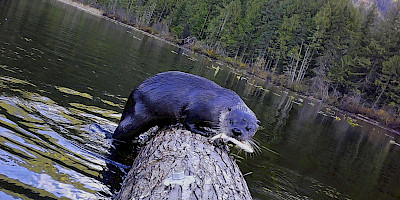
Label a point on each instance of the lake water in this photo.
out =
(64, 79)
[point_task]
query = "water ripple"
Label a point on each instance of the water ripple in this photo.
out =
(53, 150)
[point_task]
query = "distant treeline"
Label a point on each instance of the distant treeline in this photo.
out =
(343, 52)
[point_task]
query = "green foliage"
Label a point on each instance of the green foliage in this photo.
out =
(338, 48)
(337, 35)
(389, 80)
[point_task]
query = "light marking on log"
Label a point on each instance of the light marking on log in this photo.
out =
(179, 178)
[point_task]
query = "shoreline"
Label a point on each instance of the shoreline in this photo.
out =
(101, 13)
(81, 6)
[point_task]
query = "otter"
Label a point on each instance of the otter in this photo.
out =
(201, 105)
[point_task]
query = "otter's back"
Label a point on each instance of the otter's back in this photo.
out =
(175, 80)
(169, 92)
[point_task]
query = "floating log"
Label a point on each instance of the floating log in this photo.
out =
(178, 164)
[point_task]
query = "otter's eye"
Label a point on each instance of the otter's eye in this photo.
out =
(230, 121)
(229, 109)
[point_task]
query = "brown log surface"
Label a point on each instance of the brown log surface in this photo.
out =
(209, 171)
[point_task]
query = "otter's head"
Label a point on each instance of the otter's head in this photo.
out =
(239, 124)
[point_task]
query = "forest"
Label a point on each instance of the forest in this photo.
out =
(345, 52)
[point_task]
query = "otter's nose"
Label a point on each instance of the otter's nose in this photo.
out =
(236, 131)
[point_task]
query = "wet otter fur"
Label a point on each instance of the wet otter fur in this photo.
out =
(200, 104)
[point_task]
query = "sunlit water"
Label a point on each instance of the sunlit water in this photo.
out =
(64, 79)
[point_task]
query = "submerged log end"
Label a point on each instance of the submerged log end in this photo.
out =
(178, 164)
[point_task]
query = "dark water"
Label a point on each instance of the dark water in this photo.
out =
(64, 76)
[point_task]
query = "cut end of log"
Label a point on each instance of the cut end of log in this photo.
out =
(178, 164)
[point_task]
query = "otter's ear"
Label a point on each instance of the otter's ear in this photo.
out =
(258, 122)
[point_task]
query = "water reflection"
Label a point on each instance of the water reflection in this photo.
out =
(47, 147)
(318, 155)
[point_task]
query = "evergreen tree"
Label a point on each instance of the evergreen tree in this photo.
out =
(337, 37)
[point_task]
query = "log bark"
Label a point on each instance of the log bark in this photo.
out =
(178, 164)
